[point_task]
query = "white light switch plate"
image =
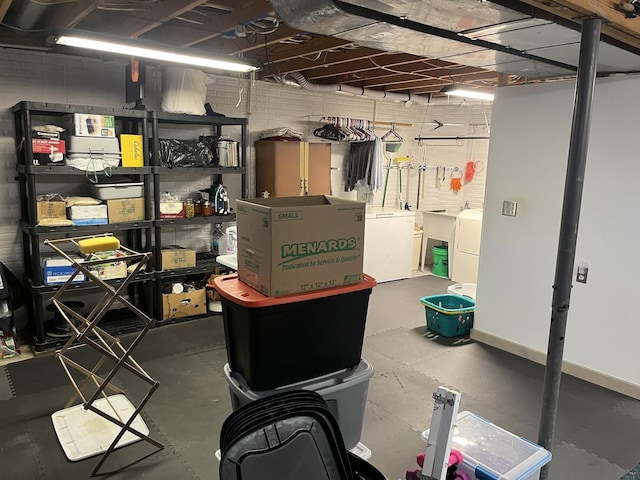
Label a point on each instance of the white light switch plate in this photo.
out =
(509, 208)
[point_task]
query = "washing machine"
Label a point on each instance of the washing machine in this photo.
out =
(388, 243)
(467, 246)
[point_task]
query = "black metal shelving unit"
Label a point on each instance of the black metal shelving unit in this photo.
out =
(138, 234)
(205, 261)
(141, 235)
(176, 222)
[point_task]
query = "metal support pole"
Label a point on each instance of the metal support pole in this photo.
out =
(578, 146)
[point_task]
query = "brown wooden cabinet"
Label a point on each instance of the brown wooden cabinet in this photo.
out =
(287, 169)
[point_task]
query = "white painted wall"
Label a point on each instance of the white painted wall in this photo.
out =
(76, 80)
(527, 162)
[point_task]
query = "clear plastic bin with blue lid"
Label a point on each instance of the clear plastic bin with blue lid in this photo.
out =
(492, 453)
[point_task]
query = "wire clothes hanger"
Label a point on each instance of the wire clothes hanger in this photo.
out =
(392, 135)
(346, 129)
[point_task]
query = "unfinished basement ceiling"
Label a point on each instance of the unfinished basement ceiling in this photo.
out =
(331, 42)
(467, 32)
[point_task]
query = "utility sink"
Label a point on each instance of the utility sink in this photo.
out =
(438, 225)
(445, 213)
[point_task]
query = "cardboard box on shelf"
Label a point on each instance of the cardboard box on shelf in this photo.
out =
(88, 214)
(171, 210)
(47, 151)
(125, 210)
(56, 270)
(47, 209)
(109, 270)
(295, 244)
(211, 292)
(132, 150)
(89, 125)
(186, 304)
(174, 257)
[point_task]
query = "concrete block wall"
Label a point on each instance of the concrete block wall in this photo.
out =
(64, 79)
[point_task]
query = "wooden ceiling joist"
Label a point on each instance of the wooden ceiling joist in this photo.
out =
(317, 47)
(415, 86)
(166, 14)
(69, 15)
(178, 33)
(239, 45)
(324, 61)
(4, 7)
(136, 23)
(408, 69)
(371, 62)
(626, 30)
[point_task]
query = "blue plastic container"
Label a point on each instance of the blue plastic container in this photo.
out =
(449, 315)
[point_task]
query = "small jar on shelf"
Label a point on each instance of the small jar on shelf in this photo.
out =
(207, 209)
(189, 208)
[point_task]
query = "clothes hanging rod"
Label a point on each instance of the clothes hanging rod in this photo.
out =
(388, 124)
(372, 122)
(419, 139)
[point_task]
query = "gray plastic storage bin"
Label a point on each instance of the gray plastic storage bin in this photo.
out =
(93, 153)
(114, 191)
(345, 393)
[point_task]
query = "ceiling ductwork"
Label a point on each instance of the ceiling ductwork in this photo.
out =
(476, 33)
(27, 15)
(299, 79)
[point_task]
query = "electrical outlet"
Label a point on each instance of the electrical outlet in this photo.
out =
(582, 272)
(509, 208)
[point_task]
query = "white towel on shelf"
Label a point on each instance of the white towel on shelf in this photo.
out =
(281, 132)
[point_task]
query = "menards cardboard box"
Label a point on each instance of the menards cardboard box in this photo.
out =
(296, 244)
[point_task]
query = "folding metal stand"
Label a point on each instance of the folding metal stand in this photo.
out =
(86, 330)
(445, 411)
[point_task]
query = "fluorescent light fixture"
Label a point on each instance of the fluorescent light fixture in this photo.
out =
(140, 49)
(457, 91)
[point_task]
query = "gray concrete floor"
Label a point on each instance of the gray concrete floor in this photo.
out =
(597, 436)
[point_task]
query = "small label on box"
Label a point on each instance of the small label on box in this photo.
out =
(297, 215)
(51, 210)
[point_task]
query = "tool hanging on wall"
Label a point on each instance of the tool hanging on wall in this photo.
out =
(420, 190)
(408, 187)
(470, 168)
(456, 179)
(441, 176)
(386, 178)
(469, 171)
(401, 163)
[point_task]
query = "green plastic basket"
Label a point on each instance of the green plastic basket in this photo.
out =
(449, 315)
